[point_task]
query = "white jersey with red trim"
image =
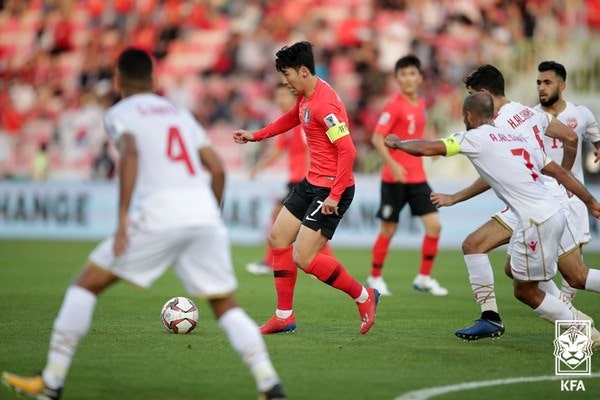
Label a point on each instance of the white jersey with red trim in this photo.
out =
(171, 189)
(511, 163)
(526, 120)
(584, 124)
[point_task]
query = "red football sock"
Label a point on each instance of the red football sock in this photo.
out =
(285, 272)
(429, 250)
(379, 253)
(332, 272)
(268, 260)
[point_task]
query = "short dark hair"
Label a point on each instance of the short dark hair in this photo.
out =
(408, 61)
(558, 69)
(480, 104)
(135, 64)
(295, 56)
(486, 77)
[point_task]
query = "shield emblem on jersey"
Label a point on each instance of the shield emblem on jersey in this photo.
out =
(572, 122)
(306, 115)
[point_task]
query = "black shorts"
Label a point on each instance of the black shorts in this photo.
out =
(287, 191)
(394, 197)
(305, 202)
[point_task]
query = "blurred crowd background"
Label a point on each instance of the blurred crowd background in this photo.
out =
(216, 57)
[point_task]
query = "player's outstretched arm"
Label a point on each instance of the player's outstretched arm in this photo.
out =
(558, 130)
(243, 137)
(568, 180)
(127, 178)
(216, 169)
(447, 200)
(416, 147)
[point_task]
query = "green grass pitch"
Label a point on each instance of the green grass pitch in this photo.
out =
(129, 356)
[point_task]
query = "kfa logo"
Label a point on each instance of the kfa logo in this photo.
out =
(572, 352)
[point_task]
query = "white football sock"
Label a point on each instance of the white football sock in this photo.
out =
(247, 340)
(481, 277)
(283, 314)
(567, 290)
(71, 324)
(551, 288)
(553, 309)
(592, 283)
(364, 296)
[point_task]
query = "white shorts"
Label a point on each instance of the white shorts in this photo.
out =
(569, 240)
(534, 249)
(199, 256)
(581, 220)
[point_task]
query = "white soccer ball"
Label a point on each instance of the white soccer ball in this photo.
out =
(179, 315)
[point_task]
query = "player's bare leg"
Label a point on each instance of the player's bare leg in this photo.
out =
(246, 339)
(475, 247)
(429, 249)
(281, 236)
(70, 326)
(265, 266)
(329, 270)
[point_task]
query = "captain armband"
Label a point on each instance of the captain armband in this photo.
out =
(337, 131)
(452, 146)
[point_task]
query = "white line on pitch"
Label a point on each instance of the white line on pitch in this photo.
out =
(424, 394)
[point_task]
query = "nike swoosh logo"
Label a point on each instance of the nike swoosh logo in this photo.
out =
(310, 219)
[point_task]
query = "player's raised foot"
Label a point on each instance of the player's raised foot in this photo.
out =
(367, 310)
(379, 284)
(33, 386)
(278, 325)
(429, 285)
(275, 393)
(595, 335)
(482, 328)
(259, 268)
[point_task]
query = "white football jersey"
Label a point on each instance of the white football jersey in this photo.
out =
(511, 163)
(582, 121)
(172, 189)
(526, 120)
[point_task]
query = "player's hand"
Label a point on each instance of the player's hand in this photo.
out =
(390, 140)
(242, 137)
(595, 209)
(329, 207)
(441, 199)
(121, 241)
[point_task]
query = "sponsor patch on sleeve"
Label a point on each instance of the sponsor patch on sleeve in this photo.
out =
(384, 118)
(331, 120)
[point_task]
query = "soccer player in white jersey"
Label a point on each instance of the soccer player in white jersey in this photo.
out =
(498, 230)
(512, 163)
(551, 82)
(177, 223)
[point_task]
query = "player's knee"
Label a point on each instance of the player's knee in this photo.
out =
(472, 245)
(301, 259)
(522, 293)
(576, 279)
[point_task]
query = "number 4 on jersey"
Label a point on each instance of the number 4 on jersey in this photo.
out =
(176, 150)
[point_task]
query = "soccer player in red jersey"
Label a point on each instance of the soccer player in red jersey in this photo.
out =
(403, 179)
(316, 205)
(294, 144)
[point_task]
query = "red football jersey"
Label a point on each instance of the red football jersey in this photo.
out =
(407, 120)
(294, 142)
(325, 122)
